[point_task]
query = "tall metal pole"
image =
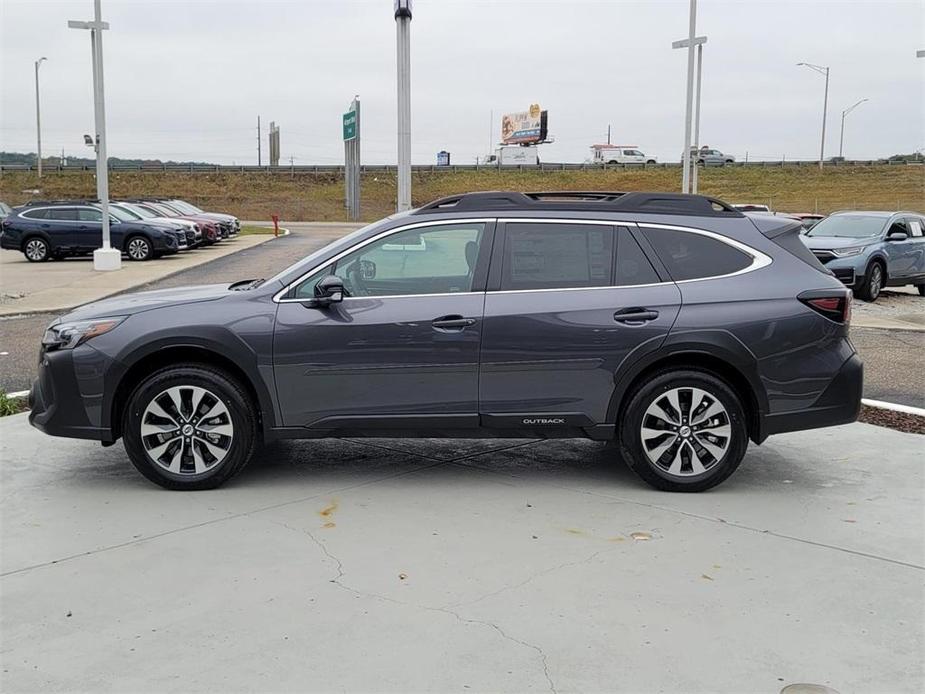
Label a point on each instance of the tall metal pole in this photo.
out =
(825, 108)
(259, 151)
(355, 216)
(841, 137)
(403, 38)
(694, 173)
(688, 107)
(38, 117)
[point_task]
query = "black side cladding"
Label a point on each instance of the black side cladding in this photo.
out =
(786, 234)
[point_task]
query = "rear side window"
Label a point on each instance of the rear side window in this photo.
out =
(632, 265)
(36, 214)
(557, 256)
(689, 256)
(86, 214)
(68, 214)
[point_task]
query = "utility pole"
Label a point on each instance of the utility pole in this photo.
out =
(698, 41)
(259, 156)
(841, 138)
(38, 117)
(608, 133)
(688, 106)
(822, 70)
(107, 257)
(403, 41)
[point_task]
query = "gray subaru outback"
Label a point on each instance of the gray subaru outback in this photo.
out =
(671, 326)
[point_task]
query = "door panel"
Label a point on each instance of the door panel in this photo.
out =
(374, 359)
(556, 351)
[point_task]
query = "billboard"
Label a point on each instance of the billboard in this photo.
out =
(524, 127)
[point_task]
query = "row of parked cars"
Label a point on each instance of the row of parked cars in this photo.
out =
(141, 228)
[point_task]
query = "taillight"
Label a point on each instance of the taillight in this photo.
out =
(836, 308)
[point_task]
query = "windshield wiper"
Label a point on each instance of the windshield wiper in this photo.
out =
(245, 285)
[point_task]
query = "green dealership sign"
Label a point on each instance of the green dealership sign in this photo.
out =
(350, 125)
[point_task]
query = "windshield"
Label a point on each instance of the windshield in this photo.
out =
(849, 226)
(121, 215)
(185, 207)
(164, 209)
(140, 211)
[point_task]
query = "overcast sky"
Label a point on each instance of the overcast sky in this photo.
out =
(186, 80)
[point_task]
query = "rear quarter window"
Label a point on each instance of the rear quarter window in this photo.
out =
(688, 256)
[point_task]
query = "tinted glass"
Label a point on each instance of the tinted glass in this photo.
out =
(632, 265)
(428, 260)
(121, 215)
(35, 214)
(554, 256)
(86, 214)
(689, 256)
(62, 214)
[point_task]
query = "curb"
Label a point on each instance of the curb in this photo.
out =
(894, 407)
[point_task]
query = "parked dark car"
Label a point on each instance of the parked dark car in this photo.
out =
(226, 223)
(211, 231)
(189, 208)
(46, 230)
(872, 250)
(191, 229)
(672, 326)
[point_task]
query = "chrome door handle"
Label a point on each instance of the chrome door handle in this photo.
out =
(452, 322)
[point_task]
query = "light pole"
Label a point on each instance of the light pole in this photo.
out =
(825, 104)
(841, 138)
(698, 41)
(107, 257)
(38, 117)
(688, 108)
(403, 35)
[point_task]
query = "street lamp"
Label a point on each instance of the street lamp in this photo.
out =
(825, 104)
(107, 257)
(688, 108)
(403, 36)
(841, 139)
(698, 41)
(38, 116)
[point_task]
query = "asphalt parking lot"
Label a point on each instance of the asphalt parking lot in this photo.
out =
(448, 565)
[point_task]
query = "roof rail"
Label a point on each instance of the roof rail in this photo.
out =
(583, 201)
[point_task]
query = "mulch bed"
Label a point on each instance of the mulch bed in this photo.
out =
(909, 423)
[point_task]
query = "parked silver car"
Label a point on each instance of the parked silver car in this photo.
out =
(711, 157)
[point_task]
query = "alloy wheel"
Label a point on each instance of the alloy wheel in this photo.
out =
(686, 431)
(36, 249)
(876, 281)
(187, 430)
(138, 249)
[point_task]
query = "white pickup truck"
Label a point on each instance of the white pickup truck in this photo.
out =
(619, 154)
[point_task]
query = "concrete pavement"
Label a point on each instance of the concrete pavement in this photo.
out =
(439, 565)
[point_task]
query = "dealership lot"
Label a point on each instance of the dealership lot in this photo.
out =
(454, 565)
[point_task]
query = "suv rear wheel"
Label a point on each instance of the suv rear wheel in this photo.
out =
(189, 427)
(683, 431)
(872, 283)
(36, 249)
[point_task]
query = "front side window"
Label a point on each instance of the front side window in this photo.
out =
(36, 214)
(689, 256)
(88, 214)
(425, 260)
(915, 228)
(557, 256)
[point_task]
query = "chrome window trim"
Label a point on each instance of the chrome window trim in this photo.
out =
(278, 297)
(759, 259)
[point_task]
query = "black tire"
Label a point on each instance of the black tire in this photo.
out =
(634, 450)
(651, 161)
(921, 288)
(138, 248)
(36, 249)
(241, 414)
(872, 283)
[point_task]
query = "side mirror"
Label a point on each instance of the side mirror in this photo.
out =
(329, 290)
(897, 236)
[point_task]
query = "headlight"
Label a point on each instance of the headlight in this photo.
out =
(70, 334)
(847, 252)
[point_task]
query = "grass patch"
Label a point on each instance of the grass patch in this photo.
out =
(10, 405)
(320, 196)
(250, 230)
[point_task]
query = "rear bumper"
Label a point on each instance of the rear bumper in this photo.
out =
(840, 403)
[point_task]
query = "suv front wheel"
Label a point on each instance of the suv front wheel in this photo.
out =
(189, 427)
(872, 283)
(683, 431)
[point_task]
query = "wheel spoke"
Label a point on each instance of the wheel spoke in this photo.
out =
(713, 410)
(677, 461)
(696, 465)
(198, 460)
(675, 403)
(715, 450)
(223, 429)
(158, 411)
(723, 430)
(149, 428)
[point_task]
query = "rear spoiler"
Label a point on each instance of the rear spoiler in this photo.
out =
(786, 233)
(772, 226)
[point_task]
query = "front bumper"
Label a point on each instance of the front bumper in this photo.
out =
(839, 403)
(67, 397)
